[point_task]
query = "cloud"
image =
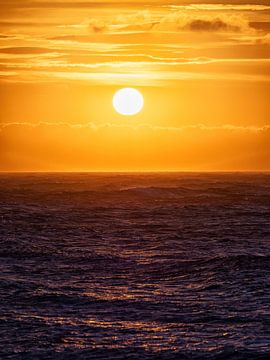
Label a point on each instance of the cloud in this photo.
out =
(3, 36)
(215, 7)
(139, 72)
(24, 50)
(138, 126)
(114, 146)
(78, 4)
(221, 22)
(261, 25)
(211, 25)
(195, 4)
(15, 24)
(265, 40)
(97, 25)
(97, 126)
(149, 21)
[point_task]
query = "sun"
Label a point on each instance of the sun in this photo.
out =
(128, 101)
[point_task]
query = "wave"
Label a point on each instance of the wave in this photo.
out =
(136, 352)
(233, 264)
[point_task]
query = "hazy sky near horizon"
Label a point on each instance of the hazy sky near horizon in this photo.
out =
(202, 66)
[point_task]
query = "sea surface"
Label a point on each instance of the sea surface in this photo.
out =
(135, 266)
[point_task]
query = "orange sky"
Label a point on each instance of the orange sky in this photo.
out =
(202, 66)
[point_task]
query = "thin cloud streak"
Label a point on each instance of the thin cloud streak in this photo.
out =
(94, 126)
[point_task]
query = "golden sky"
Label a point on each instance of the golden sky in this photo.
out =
(202, 67)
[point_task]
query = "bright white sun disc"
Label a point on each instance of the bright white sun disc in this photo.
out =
(128, 101)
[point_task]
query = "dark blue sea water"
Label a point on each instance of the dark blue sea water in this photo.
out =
(135, 266)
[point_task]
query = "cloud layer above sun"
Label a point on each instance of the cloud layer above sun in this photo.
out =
(45, 40)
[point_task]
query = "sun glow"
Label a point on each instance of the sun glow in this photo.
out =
(128, 101)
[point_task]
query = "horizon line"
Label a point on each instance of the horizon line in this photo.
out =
(131, 171)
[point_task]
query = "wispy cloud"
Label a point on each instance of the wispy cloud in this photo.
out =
(222, 7)
(138, 126)
(147, 20)
(23, 50)
(146, 73)
(156, 43)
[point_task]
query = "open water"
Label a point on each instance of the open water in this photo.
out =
(135, 266)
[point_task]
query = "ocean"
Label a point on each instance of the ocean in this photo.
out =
(135, 266)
